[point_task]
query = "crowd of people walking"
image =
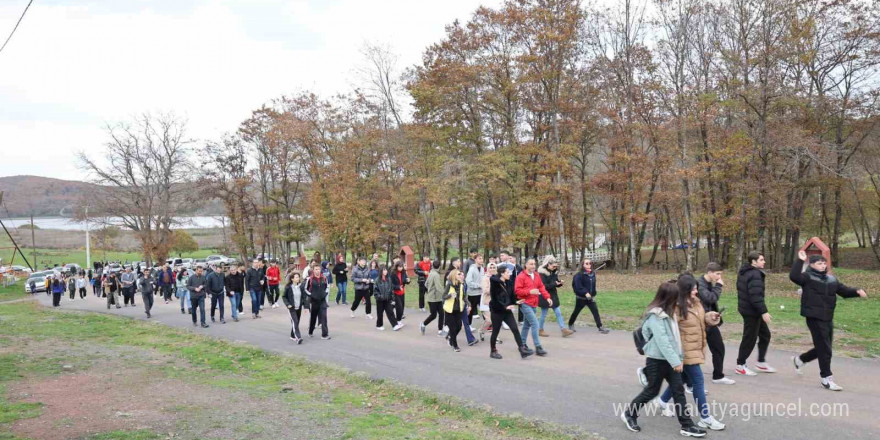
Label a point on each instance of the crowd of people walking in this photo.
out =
(679, 323)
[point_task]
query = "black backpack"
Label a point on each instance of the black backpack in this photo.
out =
(639, 338)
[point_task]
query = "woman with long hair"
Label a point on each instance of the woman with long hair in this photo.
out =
(663, 360)
(692, 322)
(294, 299)
(57, 291)
(399, 279)
(384, 295)
(584, 286)
(453, 305)
(486, 326)
(317, 289)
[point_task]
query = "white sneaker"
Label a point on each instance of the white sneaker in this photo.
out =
(352, 313)
(764, 367)
(505, 326)
(643, 380)
(398, 326)
(369, 317)
(668, 410)
(711, 423)
(689, 390)
(381, 328)
(724, 381)
(744, 370)
(798, 364)
(422, 310)
(473, 329)
(440, 333)
(445, 329)
(829, 384)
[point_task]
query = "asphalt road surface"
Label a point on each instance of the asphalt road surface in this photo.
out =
(578, 383)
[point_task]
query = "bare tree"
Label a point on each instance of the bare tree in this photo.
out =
(142, 177)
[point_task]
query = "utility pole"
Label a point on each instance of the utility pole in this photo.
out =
(88, 242)
(33, 241)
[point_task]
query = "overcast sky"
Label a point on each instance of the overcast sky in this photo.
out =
(74, 66)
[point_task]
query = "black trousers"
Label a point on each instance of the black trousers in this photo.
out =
(56, 299)
(474, 309)
(754, 329)
(579, 304)
(497, 319)
(716, 346)
(273, 294)
(657, 371)
(128, 295)
(166, 291)
(436, 309)
(148, 301)
(318, 313)
(399, 302)
(82, 292)
(73, 293)
(217, 300)
(360, 294)
(294, 322)
(822, 333)
(422, 291)
(453, 320)
(386, 308)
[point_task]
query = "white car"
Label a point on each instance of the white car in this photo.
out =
(39, 284)
(218, 259)
(185, 263)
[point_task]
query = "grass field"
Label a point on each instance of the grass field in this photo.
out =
(92, 376)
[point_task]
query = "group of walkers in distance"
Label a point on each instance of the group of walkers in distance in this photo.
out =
(684, 317)
(679, 323)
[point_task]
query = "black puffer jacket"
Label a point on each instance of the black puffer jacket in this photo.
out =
(820, 290)
(549, 278)
(750, 291)
(499, 295)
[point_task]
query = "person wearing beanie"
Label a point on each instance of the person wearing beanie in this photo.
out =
(818, 300)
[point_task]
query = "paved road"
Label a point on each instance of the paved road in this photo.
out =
(577, 384)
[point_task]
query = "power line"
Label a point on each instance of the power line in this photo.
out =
(16, 25)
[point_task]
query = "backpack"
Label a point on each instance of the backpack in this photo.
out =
(639, 337)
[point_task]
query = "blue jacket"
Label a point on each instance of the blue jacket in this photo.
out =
(584, 283)
(159, 276)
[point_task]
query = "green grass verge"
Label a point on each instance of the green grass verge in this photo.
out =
(371, 409)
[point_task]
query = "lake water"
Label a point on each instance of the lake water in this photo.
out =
(69, 224)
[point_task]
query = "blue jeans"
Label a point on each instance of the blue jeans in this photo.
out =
(340, 291)
(184, 298)
(199, 303)
(530, 322)
(693, 376)
(465, 322)
(233, 302)
(255, 301)
(559, 319)
(238, 297)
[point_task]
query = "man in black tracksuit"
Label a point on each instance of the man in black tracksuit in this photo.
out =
(709, 289)
(750, 302)
(818, 300)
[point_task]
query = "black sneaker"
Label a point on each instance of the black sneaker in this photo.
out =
(630, 422)
(539, 350)
(495, 355)
(205, 325)
(525, 352)
(182, 312)
(222, 321)
(189, 311)
(148, 314)
(195, 324)
(474, 342)
(212, 319)
(692, 431)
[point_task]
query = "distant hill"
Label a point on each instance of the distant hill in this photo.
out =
(42, 196)
(48, 197)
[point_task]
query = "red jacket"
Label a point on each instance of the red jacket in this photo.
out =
(273, 274)
(524, 285)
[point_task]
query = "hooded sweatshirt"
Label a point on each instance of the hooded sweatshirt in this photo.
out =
(664, 339)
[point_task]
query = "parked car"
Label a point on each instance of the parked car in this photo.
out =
(218, 259)
(200, 262)
(39, 284)
(21, 269)
(185, 263)
(174, 262)
(114, 267)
